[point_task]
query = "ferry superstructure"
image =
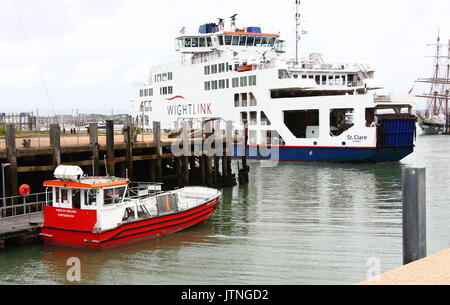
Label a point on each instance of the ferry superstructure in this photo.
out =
(312, 111)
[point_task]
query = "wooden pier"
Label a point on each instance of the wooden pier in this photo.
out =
(145, 158)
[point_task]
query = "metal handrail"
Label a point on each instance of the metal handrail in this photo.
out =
(17, 205)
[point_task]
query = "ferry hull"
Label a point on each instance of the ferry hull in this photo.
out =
(132, 232)
(328, 155)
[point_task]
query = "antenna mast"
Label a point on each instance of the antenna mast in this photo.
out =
(297, 29)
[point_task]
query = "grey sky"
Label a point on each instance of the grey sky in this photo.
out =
(91, 51)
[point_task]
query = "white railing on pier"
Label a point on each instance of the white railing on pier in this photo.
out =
(19, 207)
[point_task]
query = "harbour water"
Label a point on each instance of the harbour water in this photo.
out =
(293, 224)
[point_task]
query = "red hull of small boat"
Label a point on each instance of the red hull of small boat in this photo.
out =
(131, 232)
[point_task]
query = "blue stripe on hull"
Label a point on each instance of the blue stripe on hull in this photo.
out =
(332, 155)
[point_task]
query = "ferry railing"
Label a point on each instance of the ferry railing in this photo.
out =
(16, 207)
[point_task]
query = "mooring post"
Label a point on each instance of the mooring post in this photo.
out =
(55, 139)
(129, 151)
(158, 143)
(185, 170)
(243, 173)
(110, 164)
(414, 215)
(93, 139)
(226, 160)
(11, 169)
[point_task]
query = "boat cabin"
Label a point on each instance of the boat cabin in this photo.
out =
(88, 193)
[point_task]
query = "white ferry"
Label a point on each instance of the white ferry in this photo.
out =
(310, 110)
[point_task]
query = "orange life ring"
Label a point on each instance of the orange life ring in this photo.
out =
(25, 190)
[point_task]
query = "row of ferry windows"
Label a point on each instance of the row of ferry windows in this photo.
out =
(244, 100)
(146, 92)
(217, 68)
(252, 118)
(236, 82)
(330, 80)
(166, 90)
(230, 40)
(163, 77)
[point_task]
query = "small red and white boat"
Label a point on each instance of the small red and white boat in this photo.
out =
(107, 212)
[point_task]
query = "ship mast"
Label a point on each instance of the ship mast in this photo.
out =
(438, 94)
(297, 29)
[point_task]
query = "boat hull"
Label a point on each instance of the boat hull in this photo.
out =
(130, 232)
(327, 154)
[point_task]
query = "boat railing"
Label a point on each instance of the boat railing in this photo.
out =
(12, 207)
(139, 190)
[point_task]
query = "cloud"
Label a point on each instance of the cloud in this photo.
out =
(90, 73)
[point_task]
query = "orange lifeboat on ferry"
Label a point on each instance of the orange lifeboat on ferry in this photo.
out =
(245, 68)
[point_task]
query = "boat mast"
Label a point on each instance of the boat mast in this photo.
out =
(297, 29)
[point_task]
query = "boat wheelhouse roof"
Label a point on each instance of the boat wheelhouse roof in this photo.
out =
(89, 183)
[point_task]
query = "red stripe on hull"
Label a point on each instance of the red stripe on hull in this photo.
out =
(132, 232)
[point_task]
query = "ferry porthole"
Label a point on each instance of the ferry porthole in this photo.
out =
(315, 143)
(343, 143)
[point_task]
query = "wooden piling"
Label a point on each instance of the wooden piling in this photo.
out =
(129, 151)
(55, 139)
(11, 170)
(243, 173)
(414, 215)
(226, 159)
(93, 139)
(110, 164)
(185, 170)
(158, 161)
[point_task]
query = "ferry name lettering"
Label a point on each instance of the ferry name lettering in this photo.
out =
(189, 109)
(357, 138)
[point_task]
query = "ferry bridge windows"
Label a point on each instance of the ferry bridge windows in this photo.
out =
(242, 40)
(207, 86)
(169, 76)
(302, 123)
(236, 100)
(341, 120)
(213, 69)
(202, 42)
(235, 40)
(221, 40)
(207, 70)
(250, 41)
(214, 85)
(258, 41)
(221, 68)
(252, 80)
(228, 39)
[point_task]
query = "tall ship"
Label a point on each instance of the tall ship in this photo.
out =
(435, 118)
(310, 110)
